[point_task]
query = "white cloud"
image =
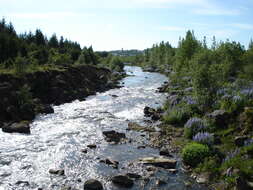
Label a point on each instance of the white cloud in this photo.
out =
(216, 11)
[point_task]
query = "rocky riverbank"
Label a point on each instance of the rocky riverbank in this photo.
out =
(24, 96)
(233, 134)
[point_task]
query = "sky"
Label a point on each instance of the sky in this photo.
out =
(132, 24)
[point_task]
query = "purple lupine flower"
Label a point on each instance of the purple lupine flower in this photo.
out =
(189, 100)
(204, 138)
(237, 98)
(189, 89)
(248, 142)
(231, 154)
(196, 125)
(226, 97)
(222, 91)
(174, 100)
(248, 92)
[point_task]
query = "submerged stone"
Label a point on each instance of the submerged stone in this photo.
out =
(93, 184)
(123, 181)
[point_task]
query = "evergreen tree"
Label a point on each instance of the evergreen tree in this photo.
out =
(53, 41)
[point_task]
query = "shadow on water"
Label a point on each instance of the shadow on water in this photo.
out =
(56, 140)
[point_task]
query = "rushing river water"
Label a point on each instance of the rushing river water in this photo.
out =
(56, 140)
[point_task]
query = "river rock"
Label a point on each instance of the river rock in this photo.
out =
(110, 162)
(85, 150)
(66, 188)
(172, 171)
(163, 88)
(113, 136)
(133, 175)
(160, 182)
(123, 181)
(46, 109)
(92, 146)
(151, 112)
(136, 127)
(203, 178)
(93, 184)
(26, 183)
(165, 152)
(22, 127)
(57, 172)
(220, 117)
(159, 162)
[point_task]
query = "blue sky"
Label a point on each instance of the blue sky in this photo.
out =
(132, 24)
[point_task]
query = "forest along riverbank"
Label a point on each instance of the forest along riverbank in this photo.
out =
(94, 144)
(25, 95)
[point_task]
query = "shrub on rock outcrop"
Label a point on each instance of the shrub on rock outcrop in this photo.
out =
(195, 153)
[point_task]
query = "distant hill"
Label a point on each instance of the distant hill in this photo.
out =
(122, 52)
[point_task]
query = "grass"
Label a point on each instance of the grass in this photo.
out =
(30, 69)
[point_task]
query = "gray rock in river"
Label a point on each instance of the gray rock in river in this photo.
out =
(56, 172)
(113, 136)
(110, 162)
(123, 181)
(165, 152)
(93, 184)
(159, 162)
(92, 146)
(22, 127)
(133, 175)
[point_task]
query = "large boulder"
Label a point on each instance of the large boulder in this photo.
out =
(220, 117)
(159, 162)
(93, 184)
(123, 181)
(22, 127)
(151, 112)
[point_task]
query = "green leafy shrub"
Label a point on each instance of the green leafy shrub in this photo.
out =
(176, 117)
(195, 153)
(116, 64)
(20, 65)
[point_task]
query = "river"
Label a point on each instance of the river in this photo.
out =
(57, 139)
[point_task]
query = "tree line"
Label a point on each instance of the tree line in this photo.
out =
(35, 50)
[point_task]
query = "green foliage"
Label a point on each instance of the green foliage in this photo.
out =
(24, 95)
(210, 164)
(176, 117)
(20, 65)
(194, 153)
(207, 77)
(240, 162)
(232, 105)
(87, 56)
(35, 49)
(116, 64)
